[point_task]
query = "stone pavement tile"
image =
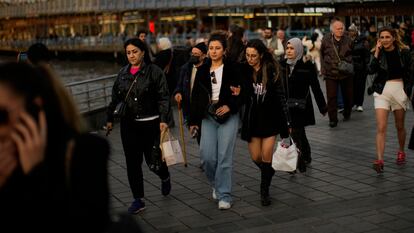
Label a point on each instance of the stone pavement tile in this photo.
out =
(397, 225)
(396, 209)
(330, 228)
(164, 222)
(195, 221)
(197, 230)
(253, 222)
(225, 227)
(408, 230)
(379, 218)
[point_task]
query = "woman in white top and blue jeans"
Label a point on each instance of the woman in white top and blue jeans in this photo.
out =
(212, 85)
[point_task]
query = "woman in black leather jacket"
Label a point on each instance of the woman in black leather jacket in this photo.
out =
(391, 62)
(145, 116)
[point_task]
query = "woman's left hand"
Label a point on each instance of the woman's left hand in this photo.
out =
(31, 140)
(222, 110)
(163, 126)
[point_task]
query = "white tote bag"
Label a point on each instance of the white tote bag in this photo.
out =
(285, 159)
(171, 149)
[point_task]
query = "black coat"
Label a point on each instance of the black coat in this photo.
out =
(202, 91)
(274, 104)
(162, 59)
(304, 75)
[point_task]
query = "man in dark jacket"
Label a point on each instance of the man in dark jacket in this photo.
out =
(186, 78)
(337, 47)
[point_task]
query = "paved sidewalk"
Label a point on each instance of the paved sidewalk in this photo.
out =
(339, 193)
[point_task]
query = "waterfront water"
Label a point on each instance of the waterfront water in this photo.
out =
(70, 71)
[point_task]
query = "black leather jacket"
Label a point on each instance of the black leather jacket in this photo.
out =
(148, 97)
(380, 68)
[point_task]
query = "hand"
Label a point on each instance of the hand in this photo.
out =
(192, 128)
(378, 47)
(178, 97)
(235, 90)
(31, 140)
(286, 142)
(222, 110)
(109, 127)
(8, 160)
(163, 126)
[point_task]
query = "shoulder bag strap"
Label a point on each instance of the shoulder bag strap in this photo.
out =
(130, 88)
(336, 51)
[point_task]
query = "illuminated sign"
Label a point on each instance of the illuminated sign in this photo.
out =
(319, 10)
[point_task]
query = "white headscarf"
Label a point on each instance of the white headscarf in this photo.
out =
(297, 45)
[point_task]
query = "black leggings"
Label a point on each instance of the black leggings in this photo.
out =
(138, 137)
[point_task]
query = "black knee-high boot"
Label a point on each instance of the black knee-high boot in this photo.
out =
(267, 175)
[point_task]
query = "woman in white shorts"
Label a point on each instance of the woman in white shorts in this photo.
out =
(391, 62)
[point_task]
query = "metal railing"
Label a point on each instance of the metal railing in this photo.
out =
(92, 95)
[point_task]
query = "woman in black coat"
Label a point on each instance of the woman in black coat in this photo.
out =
(266, 114)
(298, 75)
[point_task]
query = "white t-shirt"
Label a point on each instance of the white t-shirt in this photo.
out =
(216, 87)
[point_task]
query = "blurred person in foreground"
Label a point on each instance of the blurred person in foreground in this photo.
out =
(145, 117)
(392, 63)
(48, 163)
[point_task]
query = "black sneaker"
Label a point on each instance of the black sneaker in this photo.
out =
(333, 124)
(137, 206)
(166, 186)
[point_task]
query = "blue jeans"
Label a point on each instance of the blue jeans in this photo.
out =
(216, 150)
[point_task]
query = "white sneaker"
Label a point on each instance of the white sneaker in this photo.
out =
(360, 109)
(214, 195)
(224, 205)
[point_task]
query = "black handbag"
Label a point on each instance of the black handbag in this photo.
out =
(296, 103)
(344, 67)
(120, 108)
(211, 110)
(155, 162)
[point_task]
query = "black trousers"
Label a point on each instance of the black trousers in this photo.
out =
(360, 79)
(346, 85)
(138, 137)
(299, 137)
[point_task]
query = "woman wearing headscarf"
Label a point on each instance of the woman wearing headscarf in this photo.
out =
(298, 75)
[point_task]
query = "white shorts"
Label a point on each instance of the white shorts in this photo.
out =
(393, 97)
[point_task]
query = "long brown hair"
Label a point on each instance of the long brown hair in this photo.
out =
(397, 42)
(266, 61)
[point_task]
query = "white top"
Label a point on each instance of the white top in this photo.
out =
(216, 87)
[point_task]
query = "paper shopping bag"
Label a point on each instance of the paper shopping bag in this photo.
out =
(171, 149)
(285, 159)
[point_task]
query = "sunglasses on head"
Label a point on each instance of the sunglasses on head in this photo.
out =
(213, 77)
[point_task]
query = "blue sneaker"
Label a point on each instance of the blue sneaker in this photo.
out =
(137, 206)
(166, 186)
